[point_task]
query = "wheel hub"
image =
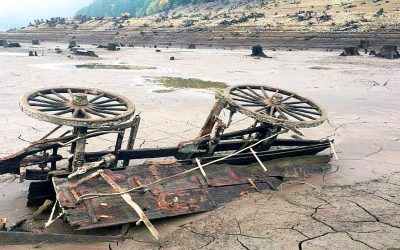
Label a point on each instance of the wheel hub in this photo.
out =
(80, 100)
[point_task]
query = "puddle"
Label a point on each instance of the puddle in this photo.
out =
(174, 83)
(113, 66)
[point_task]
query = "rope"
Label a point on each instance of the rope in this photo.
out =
(144, 187)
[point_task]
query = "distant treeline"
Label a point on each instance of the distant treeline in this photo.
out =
(136, 8)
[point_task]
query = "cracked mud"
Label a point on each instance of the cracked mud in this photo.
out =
(363, 216)
(343, 214)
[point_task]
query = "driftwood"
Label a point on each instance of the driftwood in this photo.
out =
(42, 209)
(350, 51)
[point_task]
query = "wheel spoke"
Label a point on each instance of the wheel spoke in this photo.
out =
(302, 107)
(281, 113)
(43, 105)
(97, 98)
(70, 94)
(245, 97)
(304, 111)
(243, 100)
(86, 114)
(287, 98)
(63, 112)
(89, 110)
(76, 113)
(111, 105)
(296, 102)
(59, 95)
(105, 101)
(302, 114)
(104, 111)
(113, 109)
(253, 105)
(255, 93)
(248, 95)
(48, 102)
(261, 109)
(50, 98)
(271, 112)
(265, 93)
(291, 114)
(53, 109)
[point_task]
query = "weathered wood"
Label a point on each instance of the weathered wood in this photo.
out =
(350, 51)
(184, 194)
(42, 209)
(20, 238)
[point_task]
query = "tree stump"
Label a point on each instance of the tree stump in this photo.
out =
(364, 44)
(389, 52)
(257, 51)
(71, 44)
(112, 47)
(3, 43)
(35, 42)
(350, 51)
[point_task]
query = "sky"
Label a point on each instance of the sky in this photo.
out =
(18, 13)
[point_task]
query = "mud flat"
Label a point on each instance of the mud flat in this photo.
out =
(359, 202)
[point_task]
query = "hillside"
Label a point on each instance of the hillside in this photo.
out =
(136, 8)
(236, 23)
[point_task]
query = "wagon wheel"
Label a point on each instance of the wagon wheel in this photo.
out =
(275, 106)
(78, 107)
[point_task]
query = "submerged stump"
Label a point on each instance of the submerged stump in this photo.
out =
(350, 51)
(113, 47)
(72, 44)
(364, 45)
(14, 45)
(257, 51)
(35, 42)
(3, 43)
(389, 52)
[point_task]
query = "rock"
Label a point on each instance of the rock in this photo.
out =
(158, 50)
(191, 46)
(172, 58)
(350, 51)
(35, 42)
(372, 53)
